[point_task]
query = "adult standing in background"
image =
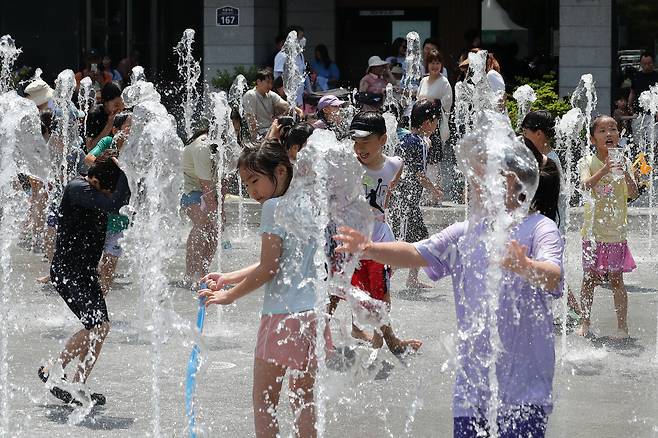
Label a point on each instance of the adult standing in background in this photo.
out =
(436, 88)
(398, 53)
(326, 69)
(642, 80)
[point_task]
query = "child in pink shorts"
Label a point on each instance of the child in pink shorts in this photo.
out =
(606, 177)
(287, 334)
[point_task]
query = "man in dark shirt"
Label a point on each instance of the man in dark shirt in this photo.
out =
(80, 238)
(101, 117)
(642, 80)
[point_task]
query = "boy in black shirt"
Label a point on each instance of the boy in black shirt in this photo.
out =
(80, 239)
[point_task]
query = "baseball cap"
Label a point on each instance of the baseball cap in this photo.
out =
(367, 123)
(329, 100)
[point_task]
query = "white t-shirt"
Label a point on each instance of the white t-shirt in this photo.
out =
(438, 90)
(376, 186)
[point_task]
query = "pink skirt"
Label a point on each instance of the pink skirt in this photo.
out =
(289, 340)
(602, 258)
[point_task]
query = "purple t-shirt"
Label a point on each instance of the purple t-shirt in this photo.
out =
(524, 317)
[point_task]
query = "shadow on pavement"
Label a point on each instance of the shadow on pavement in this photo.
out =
(96, 420)
(420, 295)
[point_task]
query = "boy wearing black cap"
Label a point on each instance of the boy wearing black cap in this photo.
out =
(368, 130)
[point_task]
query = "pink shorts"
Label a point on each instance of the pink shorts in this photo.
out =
(289, 340)
(602, 258)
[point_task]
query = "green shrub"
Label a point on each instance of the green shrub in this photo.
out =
(225, 78)
(547, 97)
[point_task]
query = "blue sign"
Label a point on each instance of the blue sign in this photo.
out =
(228, 16)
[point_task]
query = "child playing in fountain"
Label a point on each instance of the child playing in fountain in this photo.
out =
(83, 213)
(116, 223)
(287, 334)
(408, 222)
(382, 173)
(532, 272)
(605, 251)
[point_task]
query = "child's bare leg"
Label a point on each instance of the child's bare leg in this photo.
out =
(395, 344)
(107, 269)
(620, 299)
(303, 404)
(333, 304)
(572, 302)
(75, 347)
(586, 299)
(266, 391)
(414, 282)
(95, 339)
(357, 333)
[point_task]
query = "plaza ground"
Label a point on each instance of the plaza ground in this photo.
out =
(603, 388)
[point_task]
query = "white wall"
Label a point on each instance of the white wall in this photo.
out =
(585, 46)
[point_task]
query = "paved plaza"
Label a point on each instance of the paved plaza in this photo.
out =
(602, 388)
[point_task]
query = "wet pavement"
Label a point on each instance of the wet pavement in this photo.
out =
(602, 387)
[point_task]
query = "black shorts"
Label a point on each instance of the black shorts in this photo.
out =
(83, 295)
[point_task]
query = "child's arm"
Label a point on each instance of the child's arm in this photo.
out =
(261, 273)
(590, 182)
(426, 183)
(400, 254)
(218, 280)
(392, 185)
(545, 275)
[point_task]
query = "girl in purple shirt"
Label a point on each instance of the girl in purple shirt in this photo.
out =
(531, 276)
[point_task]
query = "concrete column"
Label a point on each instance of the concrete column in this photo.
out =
(227, 47)
(586, 46)
(319, 22)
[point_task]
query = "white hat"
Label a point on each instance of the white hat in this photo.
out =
(375, 61)
(39, 92)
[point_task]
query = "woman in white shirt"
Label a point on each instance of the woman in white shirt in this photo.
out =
(436, 88)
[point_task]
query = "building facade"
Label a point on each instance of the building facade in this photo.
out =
(569, 37)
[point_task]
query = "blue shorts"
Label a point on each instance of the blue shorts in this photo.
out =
(190, 198)
(522, 421)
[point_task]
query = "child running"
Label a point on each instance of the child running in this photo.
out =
(83, 212)
(532, 272)
(368, 131)
(287, 334)
(407, 218)
(605, 250)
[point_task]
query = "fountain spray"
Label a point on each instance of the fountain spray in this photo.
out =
(190, 70)
(150, 153)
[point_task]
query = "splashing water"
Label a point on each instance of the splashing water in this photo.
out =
(151, 151)
(293, 79)
(226, 152)
(22, 149)
(392, 140)
(413, 69)
(86, 100)
(489, 157)
(235, 93)
(524, 96)
(8, 55)
(65, 136)
(584, 98)
(649, 102)
(189, 70)
(325, 193)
